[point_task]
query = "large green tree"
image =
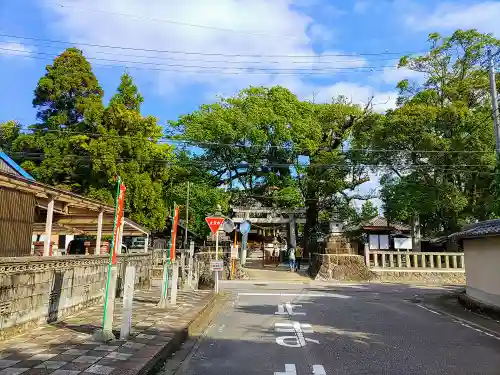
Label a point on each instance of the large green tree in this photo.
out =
(129, 145)
(438, 160)
(9, 132)
(69, 106)
(68, 93)
(248, 139)
(332, 173)
(278, 149)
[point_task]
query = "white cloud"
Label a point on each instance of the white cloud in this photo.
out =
(358, 94)
(14, 49)
(483, 16)
(395, 75)
(288, 32)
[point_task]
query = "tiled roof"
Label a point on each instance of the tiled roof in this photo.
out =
(382, 222)
(483, 228)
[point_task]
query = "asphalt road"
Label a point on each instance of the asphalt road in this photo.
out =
(355, 329)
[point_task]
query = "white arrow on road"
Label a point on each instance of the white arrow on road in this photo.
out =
(289, 309)
(319, 370)
(289, 370)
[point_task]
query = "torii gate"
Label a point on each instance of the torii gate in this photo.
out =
(271, 215)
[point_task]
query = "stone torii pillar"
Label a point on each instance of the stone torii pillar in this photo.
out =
(48, 227)
(292, 233)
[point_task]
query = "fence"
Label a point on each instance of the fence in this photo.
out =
(415, 261)
(34, 290)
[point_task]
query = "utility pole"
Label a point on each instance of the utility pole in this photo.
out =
(494, 101)
(187, 218)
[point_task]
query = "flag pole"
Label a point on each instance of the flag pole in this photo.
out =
(106, 333)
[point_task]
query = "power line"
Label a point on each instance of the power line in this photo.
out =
(203, 53)
(264, 147)
(179, 23)
(207, 71)
(242, 165)
(364, 68)
(318, 59)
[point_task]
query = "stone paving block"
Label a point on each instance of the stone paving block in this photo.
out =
(53, 365)
(65, 372)
(7, 363)
(67, 348)
(119, 356)
(64, 358)
(38, 371)
(42, 356)
(99, 369)
(133, 345)
(108, 348)
(13, 371)
(75, 352)
(147, 337)
(87, 359)
(27, 364)
(32, 351)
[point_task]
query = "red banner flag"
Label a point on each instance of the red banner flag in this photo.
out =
(175, 222)
(120, 202)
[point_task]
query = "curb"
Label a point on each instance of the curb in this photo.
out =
(180, 336)
(478, 307)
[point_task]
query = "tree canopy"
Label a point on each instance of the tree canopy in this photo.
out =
(434, 152)
(437, 147)
(81, 145)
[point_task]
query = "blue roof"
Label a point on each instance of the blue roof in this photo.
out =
(11, 163)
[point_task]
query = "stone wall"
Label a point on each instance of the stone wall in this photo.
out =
(346, 267)
(338, 244)
(206, 277)
(414, 276)
(35, 290)
(343, 267)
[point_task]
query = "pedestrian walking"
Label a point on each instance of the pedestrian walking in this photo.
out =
(291, 259)
(298, 255)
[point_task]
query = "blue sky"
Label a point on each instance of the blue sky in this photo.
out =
(303, 34)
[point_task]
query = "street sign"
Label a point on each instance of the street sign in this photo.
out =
(216, 265)
(214, 223)
(234, 252)
(245, 227)
(228, 226)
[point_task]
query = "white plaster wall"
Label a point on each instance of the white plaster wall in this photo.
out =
(482, 269)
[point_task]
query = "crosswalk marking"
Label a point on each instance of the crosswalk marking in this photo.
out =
(289, 370)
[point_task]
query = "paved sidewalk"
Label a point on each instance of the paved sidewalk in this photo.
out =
(66, 347)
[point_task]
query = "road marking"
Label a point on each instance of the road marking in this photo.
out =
(332, 295)
(287, 309)
(426, 308)
(463, 322)
(476, 329)
(289, 370)
(319, 370)
(292, 370)
(296, 341)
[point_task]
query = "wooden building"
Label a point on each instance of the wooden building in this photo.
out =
(29, 208)
(17, 212)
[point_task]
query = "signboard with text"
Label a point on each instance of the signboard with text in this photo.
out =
(214, 223)
(216, 265)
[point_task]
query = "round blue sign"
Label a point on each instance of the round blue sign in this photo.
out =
(245, 227)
